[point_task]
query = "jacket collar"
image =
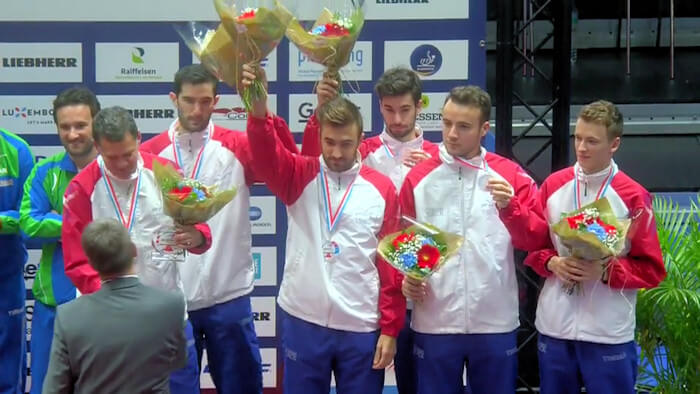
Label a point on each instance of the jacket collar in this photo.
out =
(598, 176)
(395, 146)
(352, 172)
(134, 175)
(121, 282)
(452, 161)
(67, 164)
(197, 135)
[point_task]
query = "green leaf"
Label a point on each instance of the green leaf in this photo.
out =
(668, 315)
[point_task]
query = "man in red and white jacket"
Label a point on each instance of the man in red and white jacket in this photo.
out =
(587, 338)
(468, 310)
(120, 184)
(393, 152)
(343, 305)
(218, 284)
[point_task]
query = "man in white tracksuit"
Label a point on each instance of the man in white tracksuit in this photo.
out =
(587, 337)
(343, 306)
(393, 152)
(467, 312)
(218, 283)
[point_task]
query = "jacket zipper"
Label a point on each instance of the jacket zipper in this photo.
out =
(464, 268)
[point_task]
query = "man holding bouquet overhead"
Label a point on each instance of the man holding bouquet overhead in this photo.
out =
(120, 184)
(343, 306)
(393, 152)
(217, 284)
(586, 336)
(467, 311)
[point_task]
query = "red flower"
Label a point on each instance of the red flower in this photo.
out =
(334, 30)
(575, 221)
(428, 256)
(608, 228)
(402, 239)
(181, 193)
(247, 15)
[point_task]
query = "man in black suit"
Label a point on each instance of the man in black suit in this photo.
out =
(125, 338)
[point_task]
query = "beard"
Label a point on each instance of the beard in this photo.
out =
(79, 150)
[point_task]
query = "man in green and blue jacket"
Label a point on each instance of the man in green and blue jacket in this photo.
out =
(40, 217)
(16, 162)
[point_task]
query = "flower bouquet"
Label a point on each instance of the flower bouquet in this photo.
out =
(188, 201)
(592, 233)
(331, 39)
(419, 250)
(255, 32)
(213, 47)
(246, 35)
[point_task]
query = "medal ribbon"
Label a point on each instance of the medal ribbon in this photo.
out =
(128, 222)
(198, 161)
(601, 191)
(333, 217)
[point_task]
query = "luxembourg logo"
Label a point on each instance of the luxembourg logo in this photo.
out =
(20, 113)
(137, 55)
(426, 60)
(32, 116)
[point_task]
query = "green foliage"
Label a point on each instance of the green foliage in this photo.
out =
(668, 316)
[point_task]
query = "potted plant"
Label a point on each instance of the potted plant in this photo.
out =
(668, 316)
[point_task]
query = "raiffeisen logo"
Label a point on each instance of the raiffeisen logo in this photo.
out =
(233, 113)
(137, 55)
(426, 60)
(134, 72)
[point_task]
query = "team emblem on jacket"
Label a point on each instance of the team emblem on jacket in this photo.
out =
(330, 250)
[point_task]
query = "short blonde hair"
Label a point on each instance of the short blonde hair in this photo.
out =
(340, 112)
(603, 113)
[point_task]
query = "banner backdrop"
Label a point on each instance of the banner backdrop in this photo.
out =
(128, 51)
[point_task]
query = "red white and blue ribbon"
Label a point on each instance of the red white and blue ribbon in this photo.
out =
(333, 216)
(601, 191)
(197, 166)
(127, 221)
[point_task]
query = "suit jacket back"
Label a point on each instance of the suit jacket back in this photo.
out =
(125, 338)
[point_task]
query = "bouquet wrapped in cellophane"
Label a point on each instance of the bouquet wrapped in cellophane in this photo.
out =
(188, 201)
(249, 31)
(331, 38)
(592, 233)
(214, 48)
(419, 250)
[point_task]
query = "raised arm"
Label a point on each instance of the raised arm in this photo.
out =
(285, 173)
